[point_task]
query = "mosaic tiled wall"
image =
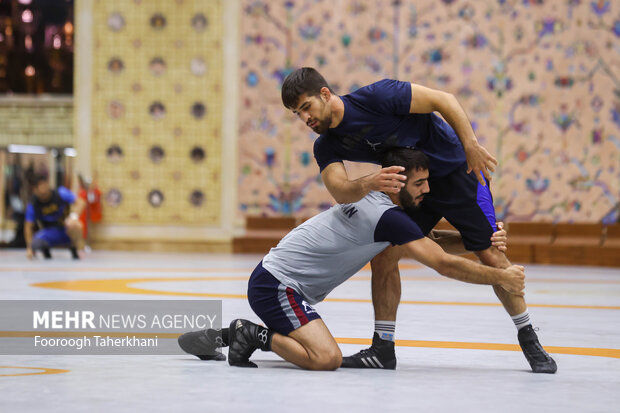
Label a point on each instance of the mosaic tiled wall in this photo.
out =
(540, 81)
(156, 109)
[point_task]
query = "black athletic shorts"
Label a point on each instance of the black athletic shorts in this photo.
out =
(468, 206)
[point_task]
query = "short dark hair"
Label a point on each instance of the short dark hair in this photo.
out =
(37, 179)
(305, 80)
(409, 158)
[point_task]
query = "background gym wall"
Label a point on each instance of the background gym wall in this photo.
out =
(153, 80)
(539, 80)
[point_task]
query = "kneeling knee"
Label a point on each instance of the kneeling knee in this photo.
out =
(335, 360)
(73, 229)
(329, 361)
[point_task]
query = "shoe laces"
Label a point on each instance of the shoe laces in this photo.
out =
(371, 351)
(537, 351)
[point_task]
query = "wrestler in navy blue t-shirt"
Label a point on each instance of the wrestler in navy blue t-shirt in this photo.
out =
(377, 117)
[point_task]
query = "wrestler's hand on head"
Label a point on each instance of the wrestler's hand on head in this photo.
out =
(387, 180)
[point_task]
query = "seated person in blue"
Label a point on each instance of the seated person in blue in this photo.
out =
(56, 213)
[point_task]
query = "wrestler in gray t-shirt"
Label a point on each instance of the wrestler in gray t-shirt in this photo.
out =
(326, 250)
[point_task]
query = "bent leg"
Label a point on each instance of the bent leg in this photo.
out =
(468, 205)
(39, 241)
(311, 346)
(43, 240)
(493, 257)
(296, 330)
(537, 357)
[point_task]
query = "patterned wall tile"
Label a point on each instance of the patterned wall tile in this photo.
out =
(157, 72)
(540, 81)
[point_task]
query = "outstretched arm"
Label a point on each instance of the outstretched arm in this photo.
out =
(345, 191)
(427, 100)
(430, 254)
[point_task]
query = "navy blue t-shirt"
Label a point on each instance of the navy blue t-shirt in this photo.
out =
(377, 117)
(397, 228)
(52, 211)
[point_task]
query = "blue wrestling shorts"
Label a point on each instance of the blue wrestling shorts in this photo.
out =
(54, 236)
(280, 307)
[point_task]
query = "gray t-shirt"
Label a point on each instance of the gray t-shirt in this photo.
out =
(326, 250)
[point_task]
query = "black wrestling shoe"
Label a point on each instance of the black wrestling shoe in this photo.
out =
(203, 344)
(74, 253)
(380, 355)
(245, 337)
(46, 253)
(535, 354)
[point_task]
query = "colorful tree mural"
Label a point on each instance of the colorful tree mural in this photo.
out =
(540, 81)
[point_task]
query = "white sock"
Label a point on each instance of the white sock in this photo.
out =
(385, 329)
(521, 320)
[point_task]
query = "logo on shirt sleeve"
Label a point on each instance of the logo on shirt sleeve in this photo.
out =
(349, 210)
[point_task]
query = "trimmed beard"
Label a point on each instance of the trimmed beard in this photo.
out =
(406, 200)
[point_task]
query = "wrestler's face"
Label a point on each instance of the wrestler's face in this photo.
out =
(314, 111)
(42, 191)
(412, 194)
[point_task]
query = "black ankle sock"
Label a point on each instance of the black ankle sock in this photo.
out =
(215, 335)
(225, 335)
